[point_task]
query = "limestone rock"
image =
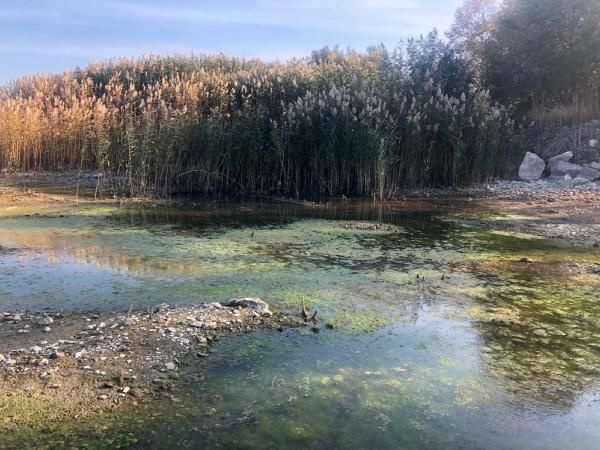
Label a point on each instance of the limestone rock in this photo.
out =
(561, 168)
(532, 167)
(46, 320)
(257, 304)
(565, 157)
(579, 181)
(589, 173)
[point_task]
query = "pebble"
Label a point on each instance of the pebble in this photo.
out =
(47, 320)
(47, 329)
(170, 366)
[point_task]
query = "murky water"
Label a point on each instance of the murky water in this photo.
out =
(481, 350)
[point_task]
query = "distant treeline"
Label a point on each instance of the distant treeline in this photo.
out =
(336, 122)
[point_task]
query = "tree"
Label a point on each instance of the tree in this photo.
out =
(473, 27)
(542, 52)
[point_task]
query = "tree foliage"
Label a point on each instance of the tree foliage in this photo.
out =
(532, 52)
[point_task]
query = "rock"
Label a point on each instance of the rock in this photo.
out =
(47, 329)
(130, 321)
(257, 304)
(80, 354)
(594, 143)
(564, 157)
(2, 358)
(36, 349)
(43, 362)
(46, 320)
(17, 317)
(532, 167)
(197, 324)
(561, 168)
(595, 165)
(579, 181)
(161, 308)
(170, 366)
(589, 173)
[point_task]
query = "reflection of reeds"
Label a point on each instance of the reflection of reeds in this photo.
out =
(355, 123)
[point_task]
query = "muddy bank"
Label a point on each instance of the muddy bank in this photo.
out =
(70, 366)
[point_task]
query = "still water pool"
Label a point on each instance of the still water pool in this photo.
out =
(449, 332)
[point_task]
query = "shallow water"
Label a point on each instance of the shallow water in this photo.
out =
(479, 350)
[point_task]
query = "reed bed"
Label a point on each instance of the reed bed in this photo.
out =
(337, 122)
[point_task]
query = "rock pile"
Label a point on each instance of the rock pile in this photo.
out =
(118, 356)
(561, 170)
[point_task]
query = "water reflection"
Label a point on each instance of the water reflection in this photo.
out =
(447, 332)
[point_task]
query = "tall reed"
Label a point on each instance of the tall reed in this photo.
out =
(337, 122)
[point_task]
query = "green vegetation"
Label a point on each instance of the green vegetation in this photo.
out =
(337, 122)
(533, 54)
(425, 114)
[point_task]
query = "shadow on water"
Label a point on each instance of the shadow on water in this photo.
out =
(448, 334)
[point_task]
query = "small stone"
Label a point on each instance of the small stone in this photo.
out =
(170, 366)
(102, 397)
(594, 143)
(2, 358)
(161, 308)
(36, 349)
(43, 362)
(257, 304)
(46, 320)
(80, 354)
(47, 329)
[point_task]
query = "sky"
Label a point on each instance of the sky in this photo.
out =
(41, 36)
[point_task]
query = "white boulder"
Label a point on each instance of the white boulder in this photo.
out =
(532, 167)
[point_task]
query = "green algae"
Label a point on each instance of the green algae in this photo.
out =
(528, 305)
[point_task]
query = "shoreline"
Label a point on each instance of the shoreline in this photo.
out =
(76, 365)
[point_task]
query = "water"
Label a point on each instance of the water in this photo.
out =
(481, 350)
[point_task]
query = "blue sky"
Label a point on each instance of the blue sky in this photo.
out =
(52, 35)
